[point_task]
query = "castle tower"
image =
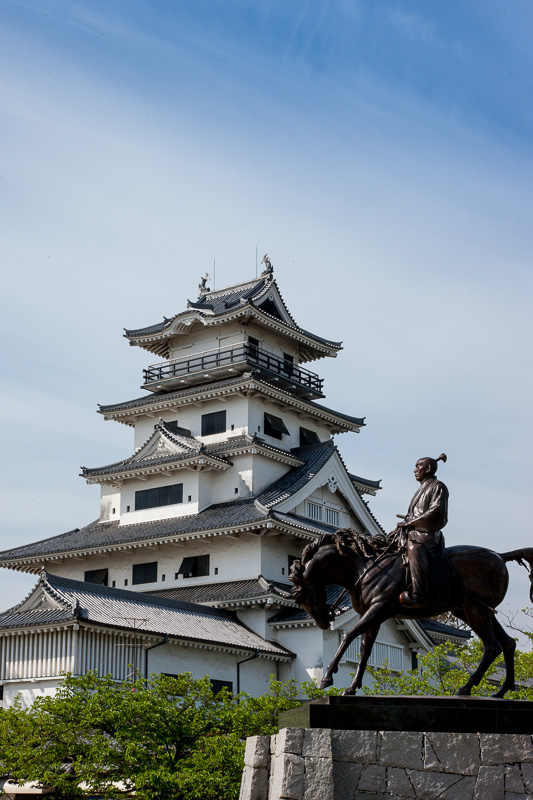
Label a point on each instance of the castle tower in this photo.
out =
(233, 470)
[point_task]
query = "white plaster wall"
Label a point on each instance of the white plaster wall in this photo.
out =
(188, 478)
(235, 559)
(323, 497)
(292, 420)
(307, 643)
(265, 471)
(190, 417)
(29, 690)
(175, 658)
(109, 503)
(275, 554)
(201, 339)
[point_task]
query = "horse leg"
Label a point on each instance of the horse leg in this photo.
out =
(480, 619)
(376, 614)
(367, 643)
(508, 646)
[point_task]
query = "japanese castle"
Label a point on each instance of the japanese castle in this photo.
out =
(234, 470)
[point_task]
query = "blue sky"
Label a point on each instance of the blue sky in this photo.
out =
(380, 153)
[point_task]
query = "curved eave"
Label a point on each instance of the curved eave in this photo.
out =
(247, 386)
(149, 635)
(34, 564)
(195, 464)
(157, 341)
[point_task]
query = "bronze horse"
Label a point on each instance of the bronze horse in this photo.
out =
(470, 582)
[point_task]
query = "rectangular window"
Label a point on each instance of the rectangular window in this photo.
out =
(275, 427)
(288, 363)
(314, 511)
(160, 496)
(194, 566)
(144, 573)
(308, 437)
(332, 517)
(253, 347)
(217, 685)
(213, 423)
(99, 576)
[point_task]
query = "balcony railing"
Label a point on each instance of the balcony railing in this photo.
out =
(238, 358)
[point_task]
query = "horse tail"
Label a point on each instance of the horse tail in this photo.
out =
(521, 556)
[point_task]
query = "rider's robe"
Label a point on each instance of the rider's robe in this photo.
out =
(428, 510)
(427, 515)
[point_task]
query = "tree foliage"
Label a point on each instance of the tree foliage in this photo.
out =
(163, 738)
(443, 671)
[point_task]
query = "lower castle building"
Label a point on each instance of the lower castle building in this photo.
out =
(234, 470)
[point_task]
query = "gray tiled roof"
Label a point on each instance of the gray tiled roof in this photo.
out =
(118, 608)
(218, 303)
(365, 481)
(193, 448)
(314, 456)
(298, 614)
(225, 590)
(218, 516)
(105, 534)
(153, 397)
(434, 626)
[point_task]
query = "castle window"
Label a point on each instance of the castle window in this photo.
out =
(275, 427)
(217, 685)
(288, 363)
(253, 347)
(314, 511)
(213, 423)
(332, 517)
(194, 566)
(308, 437)
(159, 496)
(98, 576)
(144, 573)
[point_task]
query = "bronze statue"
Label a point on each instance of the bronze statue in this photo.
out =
(422, 526)
(469, 581)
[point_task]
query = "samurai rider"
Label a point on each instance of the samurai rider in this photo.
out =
(422, 528)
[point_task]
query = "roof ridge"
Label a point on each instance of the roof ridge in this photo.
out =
(127, 594)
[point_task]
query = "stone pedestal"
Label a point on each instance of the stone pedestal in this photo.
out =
(332, 763)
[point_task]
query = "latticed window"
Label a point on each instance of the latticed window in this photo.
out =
(381, 653)
(332, 517)
(314, 511)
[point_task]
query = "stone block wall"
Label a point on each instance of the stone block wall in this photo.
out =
(324, 764)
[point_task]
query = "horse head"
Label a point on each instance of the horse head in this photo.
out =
(310, 595)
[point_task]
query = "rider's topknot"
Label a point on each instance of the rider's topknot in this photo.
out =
(433, 461)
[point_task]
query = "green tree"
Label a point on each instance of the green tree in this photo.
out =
(444, 670)
(164, 738)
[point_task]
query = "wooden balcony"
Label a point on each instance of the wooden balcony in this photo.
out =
(229, 362)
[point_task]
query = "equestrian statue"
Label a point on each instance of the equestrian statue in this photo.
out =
(409, 573)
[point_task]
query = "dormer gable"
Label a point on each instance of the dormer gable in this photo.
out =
(166, 440)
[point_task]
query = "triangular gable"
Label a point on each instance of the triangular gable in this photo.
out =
(272, 303)
(38, 599)
(163, 442)
(333, 474)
